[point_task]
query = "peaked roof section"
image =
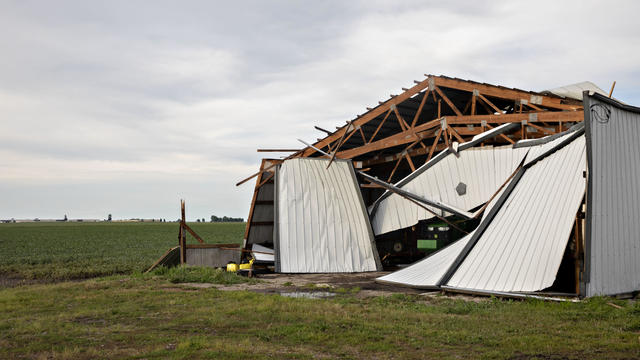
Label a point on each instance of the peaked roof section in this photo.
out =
(413, 115)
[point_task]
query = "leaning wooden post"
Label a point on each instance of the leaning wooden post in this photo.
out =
(183, 236)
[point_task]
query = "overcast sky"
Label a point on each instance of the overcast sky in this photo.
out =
(124, 107)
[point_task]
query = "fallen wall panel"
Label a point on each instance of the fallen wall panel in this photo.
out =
(521, 248)
(321, 222)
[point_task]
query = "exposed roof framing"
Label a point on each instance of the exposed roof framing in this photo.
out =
(457, 97)
(407, 130)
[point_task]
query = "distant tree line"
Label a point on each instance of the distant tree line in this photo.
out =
(225, 219)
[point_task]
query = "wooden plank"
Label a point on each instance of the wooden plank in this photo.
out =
(323, 130)
(342, 140)
(433, 146)
(455, 133)
(533, 107)
(540, 128)
(276, 162)
(503, 93)
(503, 135)
(403, 124)
(394, 169)
(193, 233)
(417, 115)
(495, 108)
(413, 168)
(266, 180)
(364, 140)
(389, 158)
(473, 104)
(412, 134)
(379, 126)
(365, 118)
(613, 86)
(449, 102)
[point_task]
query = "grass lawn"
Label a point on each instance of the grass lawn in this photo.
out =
(149, 317)
(58, 251)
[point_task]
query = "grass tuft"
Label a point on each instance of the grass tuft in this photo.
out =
(196, 274)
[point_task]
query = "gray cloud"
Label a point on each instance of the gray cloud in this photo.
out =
(102, 102)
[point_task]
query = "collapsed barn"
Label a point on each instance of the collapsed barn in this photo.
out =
(492, 190)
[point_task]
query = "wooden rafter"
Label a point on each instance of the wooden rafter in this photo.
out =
(502, 135)
(365, 118)
(540, 128)
(455, 134)
(495, 108)
(403, 123)
(418, 131)
(533, 107)
(449, 102)
(473, 103)
(505, 93)
(379, 126)
(433, 146)
(342, 141)
(419, 112)
(437, 81)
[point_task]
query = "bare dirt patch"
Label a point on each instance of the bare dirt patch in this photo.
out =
(278, 283)
(359, 285)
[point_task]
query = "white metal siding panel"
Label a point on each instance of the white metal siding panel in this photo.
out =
(483, 170)
(322, 223)
(427, 272)
(522, 247)
(615, 201)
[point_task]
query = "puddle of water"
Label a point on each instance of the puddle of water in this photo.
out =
(308, 294)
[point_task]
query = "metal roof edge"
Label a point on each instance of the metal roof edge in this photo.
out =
(489, 134)
(586, 277)
(565, 142)
(514, 295)
(586, 94)
(372, 236)
(549, 138)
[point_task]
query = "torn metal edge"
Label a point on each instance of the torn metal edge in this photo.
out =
(505, 294)
(372, 236)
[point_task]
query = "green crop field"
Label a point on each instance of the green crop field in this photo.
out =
(59, 251)
(121, 313)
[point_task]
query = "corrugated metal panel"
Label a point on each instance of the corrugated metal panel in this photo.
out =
(574, 91)
(427, 272)
(262, 253)
(483, 170)
(613, 206)
(263, 233)
(212, 257)
(522, 246)
(322, 224)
